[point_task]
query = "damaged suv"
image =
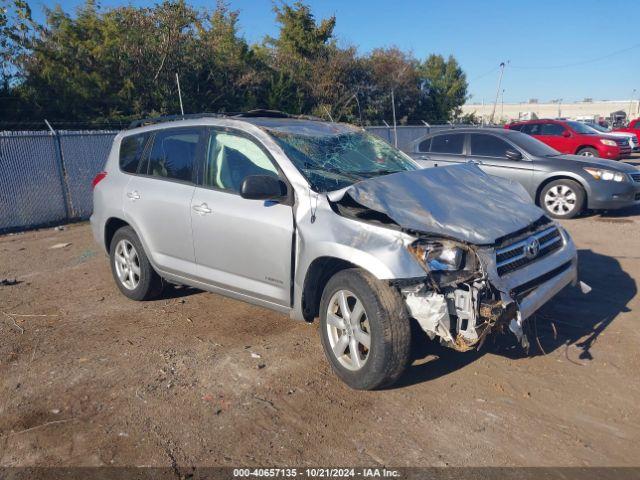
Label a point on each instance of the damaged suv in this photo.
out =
(319, 219)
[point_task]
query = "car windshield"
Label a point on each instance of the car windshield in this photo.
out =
(532, 146)
(581, 128)
(331, 162)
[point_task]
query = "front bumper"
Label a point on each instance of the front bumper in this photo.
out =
(537, 297)
(465, 314)
(613, 195)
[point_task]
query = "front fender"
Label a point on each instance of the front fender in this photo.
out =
(379, 250)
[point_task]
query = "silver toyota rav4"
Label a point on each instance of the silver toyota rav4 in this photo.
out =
(319, 219)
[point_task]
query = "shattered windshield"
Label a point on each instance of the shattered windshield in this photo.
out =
(331, 162)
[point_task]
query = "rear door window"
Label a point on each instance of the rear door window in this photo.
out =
(552, 129)
(450, 143)
(531, 129)
(488, 146)
(174, 153)
(131, 149)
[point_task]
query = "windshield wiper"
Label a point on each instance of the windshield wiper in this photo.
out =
(376, 172)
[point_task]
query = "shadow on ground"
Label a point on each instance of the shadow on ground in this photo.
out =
(177, 291)
(572, 318)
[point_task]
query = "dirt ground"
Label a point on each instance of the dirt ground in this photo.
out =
(88, 377)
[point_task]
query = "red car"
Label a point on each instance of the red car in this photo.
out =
(574, 138)
(633, 127)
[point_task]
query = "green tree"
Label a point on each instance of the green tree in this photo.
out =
(118, 63)
(444, 90)
(16, 28)
(299, 34)
(391, 69)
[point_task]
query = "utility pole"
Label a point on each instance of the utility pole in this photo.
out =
(633, 96)
(560, 108)
(502, 107)
(395, 129)
(179, 94)
(495, 104)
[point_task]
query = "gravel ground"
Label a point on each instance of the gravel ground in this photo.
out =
(88, 377)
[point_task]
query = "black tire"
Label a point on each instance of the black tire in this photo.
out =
(388, 324)
(588, 152)
(559, 210)
(150, 284)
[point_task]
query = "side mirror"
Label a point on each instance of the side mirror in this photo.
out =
(566, 133)
(514, 155)
(262, 187)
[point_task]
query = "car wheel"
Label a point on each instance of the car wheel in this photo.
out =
(562, 198)
(365, 330)
(130, 266)
(588, 152)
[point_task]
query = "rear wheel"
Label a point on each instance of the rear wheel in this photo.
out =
(588, 152)
(365, 330)
(562, 198)
(130, 267)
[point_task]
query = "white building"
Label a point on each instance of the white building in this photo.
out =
(514, 111)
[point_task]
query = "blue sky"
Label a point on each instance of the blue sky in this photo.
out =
(555, 48)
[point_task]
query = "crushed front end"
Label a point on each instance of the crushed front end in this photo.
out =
(471, 291)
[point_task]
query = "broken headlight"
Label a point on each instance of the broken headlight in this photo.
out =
(438, 256)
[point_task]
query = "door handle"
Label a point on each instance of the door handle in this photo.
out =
(133, 195)
(202, 209)
(476, 162)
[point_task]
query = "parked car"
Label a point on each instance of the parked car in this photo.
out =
(562, 185)
(633, 127)
(567, 136)
(319, 219)
(631, 137)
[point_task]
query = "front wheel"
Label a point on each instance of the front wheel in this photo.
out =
(588, 152)
(365, 330)
(562, 198)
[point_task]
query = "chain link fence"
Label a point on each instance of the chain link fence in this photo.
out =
(45, 177)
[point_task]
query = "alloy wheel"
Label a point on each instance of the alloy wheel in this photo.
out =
(127, 264)
(560, 199)
(348, 330)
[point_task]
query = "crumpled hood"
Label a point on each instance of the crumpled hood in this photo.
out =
(459, 201)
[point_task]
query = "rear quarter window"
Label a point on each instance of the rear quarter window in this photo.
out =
(131, 149)
(424, 145)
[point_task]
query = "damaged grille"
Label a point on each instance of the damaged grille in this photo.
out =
(524, 252)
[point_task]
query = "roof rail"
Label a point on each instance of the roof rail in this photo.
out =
(171, 118)
(250, 114)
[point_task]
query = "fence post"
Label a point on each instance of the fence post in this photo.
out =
(62, 172)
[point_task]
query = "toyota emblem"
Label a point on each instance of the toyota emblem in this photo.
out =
(532, 248)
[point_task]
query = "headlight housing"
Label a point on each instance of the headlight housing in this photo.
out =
(608, 143)
(602, 174)
(438, 256)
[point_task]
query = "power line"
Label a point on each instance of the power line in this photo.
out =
(575, 64)
(484, 74)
